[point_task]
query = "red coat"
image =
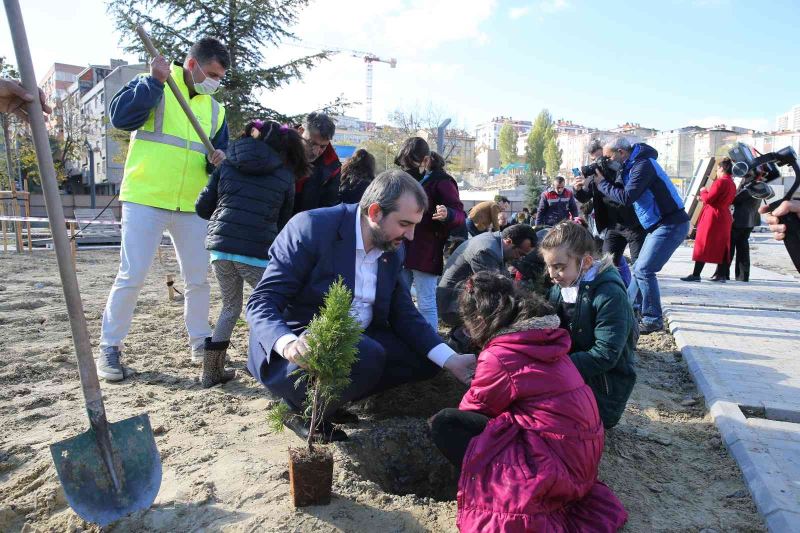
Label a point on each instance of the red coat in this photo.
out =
(426, 252)
(534, 467)
(713, 241)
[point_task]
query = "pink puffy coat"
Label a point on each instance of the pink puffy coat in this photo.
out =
(534, 467)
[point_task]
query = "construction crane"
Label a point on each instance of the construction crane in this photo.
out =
(368, 57)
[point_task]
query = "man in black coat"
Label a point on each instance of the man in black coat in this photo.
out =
(321, 187)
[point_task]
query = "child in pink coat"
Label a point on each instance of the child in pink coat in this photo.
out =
(527, 434)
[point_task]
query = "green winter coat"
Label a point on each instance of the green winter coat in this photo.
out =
(603, 331)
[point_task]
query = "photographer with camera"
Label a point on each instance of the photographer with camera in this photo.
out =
(617, 224)
(644, 185)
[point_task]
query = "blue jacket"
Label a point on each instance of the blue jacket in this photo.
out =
(132, 104)
(310, 253)
(647, 188)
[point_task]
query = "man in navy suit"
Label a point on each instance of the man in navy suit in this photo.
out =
(363, 243)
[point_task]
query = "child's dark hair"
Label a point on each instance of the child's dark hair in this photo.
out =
(284, 140)
(414, 150)
(490, 302)
(360, 167)
(575, 237)
(437, 162)
(726, 165)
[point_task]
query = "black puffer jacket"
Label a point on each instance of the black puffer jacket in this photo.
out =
(248, 200)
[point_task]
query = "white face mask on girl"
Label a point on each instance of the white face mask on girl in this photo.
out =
(207, 86)
(570, 294)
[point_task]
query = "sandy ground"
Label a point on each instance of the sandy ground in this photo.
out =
(223, 470)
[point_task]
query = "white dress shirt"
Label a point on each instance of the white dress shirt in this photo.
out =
(366, 282)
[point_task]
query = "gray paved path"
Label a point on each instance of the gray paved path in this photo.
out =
(742, 344)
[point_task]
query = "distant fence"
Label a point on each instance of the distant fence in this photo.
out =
(73, 201)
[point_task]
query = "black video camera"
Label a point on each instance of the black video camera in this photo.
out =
(757, 171)
(601, 164)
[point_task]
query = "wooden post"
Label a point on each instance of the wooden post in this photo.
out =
(73, 243)
(3, 223)
(170, 289)
(28, 212)
(12, 184)
(160, 259)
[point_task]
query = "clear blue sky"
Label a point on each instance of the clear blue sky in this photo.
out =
(664, 64)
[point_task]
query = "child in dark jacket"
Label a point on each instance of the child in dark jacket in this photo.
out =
(593, 306)
(527, 435)
(357, 174)
(248, 200)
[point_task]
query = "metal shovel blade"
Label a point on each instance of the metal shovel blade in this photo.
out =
(88, 484)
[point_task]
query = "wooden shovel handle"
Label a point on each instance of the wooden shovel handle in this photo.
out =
(151, 49)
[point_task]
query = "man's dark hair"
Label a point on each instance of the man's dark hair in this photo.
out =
(500, 198)
(321, 124)
(559, 179)
(387, 188)
(594, 146)
(526, 210)
(519, 233)
(209, 49)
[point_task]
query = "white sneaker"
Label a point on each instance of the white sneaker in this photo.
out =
(198, 354)
(108, 365)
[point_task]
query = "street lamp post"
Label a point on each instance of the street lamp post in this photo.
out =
(440, 136)
(91, 173)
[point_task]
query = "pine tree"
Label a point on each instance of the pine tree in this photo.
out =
(507, 144)
(332, 338)
(246, 27)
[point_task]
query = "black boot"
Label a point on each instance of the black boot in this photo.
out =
(214, 370)
(327, 431)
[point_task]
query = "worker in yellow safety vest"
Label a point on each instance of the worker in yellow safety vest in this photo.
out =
(166, 168)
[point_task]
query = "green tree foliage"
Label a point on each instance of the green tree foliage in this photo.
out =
(246, 27)
(552, 155)
(507, 144)
(332, 338)
(533, 190)
(534, 150)
(21, 144)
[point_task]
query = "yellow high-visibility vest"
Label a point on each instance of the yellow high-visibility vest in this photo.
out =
(166, 163)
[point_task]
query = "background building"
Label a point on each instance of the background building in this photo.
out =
(55, 85)
(487, 134)
(789, 121)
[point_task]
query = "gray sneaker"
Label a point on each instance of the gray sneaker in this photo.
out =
(108, 366)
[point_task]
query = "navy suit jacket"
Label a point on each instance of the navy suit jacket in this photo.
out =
(310, 253)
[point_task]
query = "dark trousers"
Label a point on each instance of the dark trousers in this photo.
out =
(452, 429)
(740, 249)
(384, 361)
(617, 239)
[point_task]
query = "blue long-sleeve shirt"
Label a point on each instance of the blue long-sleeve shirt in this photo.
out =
(132, 104)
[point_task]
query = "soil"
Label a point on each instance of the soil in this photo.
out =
(310, 476)
(224, 470)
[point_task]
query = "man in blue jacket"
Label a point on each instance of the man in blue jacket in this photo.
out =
(362, 243)
(659, 208)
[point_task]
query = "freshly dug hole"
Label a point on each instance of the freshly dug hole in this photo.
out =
(402, 459)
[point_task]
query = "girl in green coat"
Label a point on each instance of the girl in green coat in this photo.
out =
(593, 306)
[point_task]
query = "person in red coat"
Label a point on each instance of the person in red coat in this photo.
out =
(527, 434)
(425, 253)
(713, 242)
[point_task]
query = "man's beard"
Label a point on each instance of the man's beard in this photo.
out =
(380, 240)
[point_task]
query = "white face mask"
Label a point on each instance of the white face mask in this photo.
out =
(207, 86)
(570, 294)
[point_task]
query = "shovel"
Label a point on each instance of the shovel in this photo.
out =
(110, 470)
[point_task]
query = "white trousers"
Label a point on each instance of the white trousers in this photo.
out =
(142, 227)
